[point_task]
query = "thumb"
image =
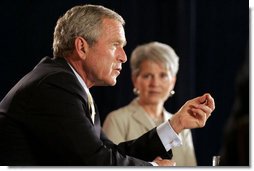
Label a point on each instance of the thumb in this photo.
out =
(158, 158)
(203, 99)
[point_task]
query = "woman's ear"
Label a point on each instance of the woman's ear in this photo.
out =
(81, 47)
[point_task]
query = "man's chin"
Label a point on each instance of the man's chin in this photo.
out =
(107, 83)
(113, 83)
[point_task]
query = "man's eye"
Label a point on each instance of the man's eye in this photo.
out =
(116, 44)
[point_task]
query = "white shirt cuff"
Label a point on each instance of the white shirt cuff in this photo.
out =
(154, 163)
(168, 136)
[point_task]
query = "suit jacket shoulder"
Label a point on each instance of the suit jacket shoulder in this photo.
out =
(45, 114)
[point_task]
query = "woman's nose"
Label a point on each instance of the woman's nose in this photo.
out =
(155, 81)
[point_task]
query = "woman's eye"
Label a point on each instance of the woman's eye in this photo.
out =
(146, 76)
(164, 76)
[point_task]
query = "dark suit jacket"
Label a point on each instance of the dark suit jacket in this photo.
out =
(44, 120)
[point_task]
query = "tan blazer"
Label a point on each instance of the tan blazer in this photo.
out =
(131, 121)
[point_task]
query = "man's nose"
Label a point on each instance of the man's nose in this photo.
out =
(122, 56)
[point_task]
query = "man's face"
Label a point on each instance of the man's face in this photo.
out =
(105, 57)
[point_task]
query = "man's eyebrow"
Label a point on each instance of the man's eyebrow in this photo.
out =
(124, 43)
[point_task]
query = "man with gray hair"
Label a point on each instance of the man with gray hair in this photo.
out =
(49, 117)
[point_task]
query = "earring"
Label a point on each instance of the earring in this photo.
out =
(172, 92)
(135, 91)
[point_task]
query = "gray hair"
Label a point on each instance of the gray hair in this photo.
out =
(157, 52)
(84, 21)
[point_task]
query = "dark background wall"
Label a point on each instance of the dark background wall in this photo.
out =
(211, 38)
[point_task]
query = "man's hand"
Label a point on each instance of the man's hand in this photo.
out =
(164, 162)
(193, 114)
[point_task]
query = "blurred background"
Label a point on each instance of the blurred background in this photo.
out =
(211, 37)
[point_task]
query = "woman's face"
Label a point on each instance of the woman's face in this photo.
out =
(154, 83)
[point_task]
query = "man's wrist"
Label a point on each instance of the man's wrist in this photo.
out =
(168, 136)
(175, 124)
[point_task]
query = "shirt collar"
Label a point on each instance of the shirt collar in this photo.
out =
(81, 81)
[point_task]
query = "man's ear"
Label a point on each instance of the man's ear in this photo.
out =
(81, 47)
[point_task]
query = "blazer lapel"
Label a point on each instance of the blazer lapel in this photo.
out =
(140, 115)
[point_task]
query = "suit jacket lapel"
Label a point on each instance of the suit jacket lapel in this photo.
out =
(78, 90)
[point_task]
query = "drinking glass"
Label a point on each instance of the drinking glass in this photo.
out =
(216, 161)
